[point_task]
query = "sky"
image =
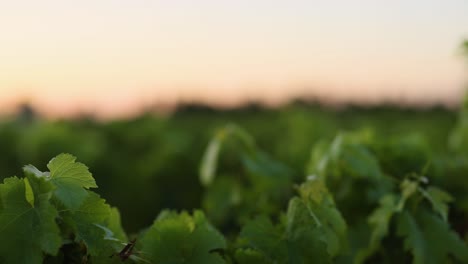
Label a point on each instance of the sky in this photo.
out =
(115, 57)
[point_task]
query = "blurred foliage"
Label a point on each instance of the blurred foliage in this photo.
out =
(149, 163)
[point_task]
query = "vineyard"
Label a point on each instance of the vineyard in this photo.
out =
(301, 184)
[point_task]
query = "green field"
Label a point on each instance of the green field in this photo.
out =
(299, 184)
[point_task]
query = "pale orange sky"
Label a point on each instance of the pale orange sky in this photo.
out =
(113, 57)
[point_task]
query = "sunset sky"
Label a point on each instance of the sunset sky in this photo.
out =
(113, 57)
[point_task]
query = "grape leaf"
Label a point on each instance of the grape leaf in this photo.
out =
(309, 240)
(408, 188)
(430, 239)
(319, 202)
(380, 222)
(181, 238)
(71, 179)
(115, 225)
(298, 242)
(314, 231)
(86, 223)
(360, 162)
(264, 237)
(439, 200)
(207, 170)
(346, 155)
(30, 169)
(27, 231)
(210, 160)
(29, 192)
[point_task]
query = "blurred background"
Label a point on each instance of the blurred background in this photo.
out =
(136, 89)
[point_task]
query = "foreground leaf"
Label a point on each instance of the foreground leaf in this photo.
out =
(71, 179)
(27, 231)
(182, 238)
(380, 222)
(430, 239)
(408, 188)
(87, 222)
(265, 238)
(319, 203)
(314, 231)
(439, 200)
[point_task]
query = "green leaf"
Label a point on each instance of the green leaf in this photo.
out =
(181, 238)
(113, 231)
(430, 239)
(300, 241)
(360, 162)
(210, 160)
(314, 232)
(309, 238)
(26, 231)
(261, 235)
(380, 222)
(84, 215)
(207, 171)
(439, 200)
(86, 221)
(115, 225)
(29, 192)
(320, 158)
(30, 169)
(345, 156)
(408, 188)
(71, 179)
(272, 172)
(380, 219)
(320, 203)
